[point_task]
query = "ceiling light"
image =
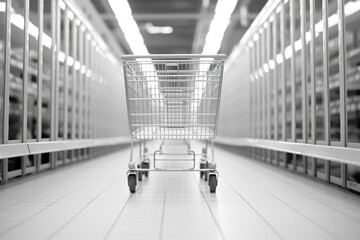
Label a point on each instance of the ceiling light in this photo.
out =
(128, 25)
(151, 29)
(2, 7)
(223, 11)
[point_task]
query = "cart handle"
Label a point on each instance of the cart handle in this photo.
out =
(167, 56)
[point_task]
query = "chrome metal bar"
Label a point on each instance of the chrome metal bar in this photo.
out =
(57, 67)
(325, 9)
(292, 70)
(91, 94)
(283, 83)
(263, 82)
(170, 56)
(252, 94)
(268, 79)
(326, 70)
(95, 96)
(40, 69)
(257, 89)
(25, 81)
(312, 82)
(275, 78)
(25, 72)
(74, 79)
(6, 93)
(66, 72)
(86, 86)
(343, 83)
(80, 81)
(275, 83)
(304, 96)
(54, 56)
(40, 78)
(97, 87)
(74, 42)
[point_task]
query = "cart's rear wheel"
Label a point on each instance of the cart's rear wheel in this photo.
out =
(212, 183)
(132, 182)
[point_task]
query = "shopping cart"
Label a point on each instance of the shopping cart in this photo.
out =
(172, 97)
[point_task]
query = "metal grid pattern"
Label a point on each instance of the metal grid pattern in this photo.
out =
(173, 98)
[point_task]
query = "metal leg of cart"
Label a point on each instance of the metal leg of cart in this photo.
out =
(210, 174)
(132, 173)
(144, 162)
(137, 171)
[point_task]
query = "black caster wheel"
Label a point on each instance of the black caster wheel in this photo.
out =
(212, 183)
(145, 165)
(132, 182)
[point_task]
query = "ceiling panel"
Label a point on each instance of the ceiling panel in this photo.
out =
(188, 18)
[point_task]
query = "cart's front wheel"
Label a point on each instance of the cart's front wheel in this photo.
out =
(132, 182)
(212, 183)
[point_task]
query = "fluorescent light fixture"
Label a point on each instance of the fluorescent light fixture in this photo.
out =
(298, 45)
(128, 25)
(279, 58)
(70, 61)
(278, 9)
(266, 68)
(223, 11)
(77, 65)
(261, 74)
(272, 64)
(151, 29)
(2, 7)
(61, 56)
(62, 5)
(288, 52)
(70, 15)
(83, 69)
(244, 16)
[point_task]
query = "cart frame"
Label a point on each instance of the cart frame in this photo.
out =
(160, 84)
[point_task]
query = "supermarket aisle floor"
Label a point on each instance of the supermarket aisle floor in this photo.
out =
(91, 200)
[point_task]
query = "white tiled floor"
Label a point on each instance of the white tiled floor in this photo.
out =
(91, 200)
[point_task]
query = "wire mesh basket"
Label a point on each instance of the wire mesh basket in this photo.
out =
(173, 96)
